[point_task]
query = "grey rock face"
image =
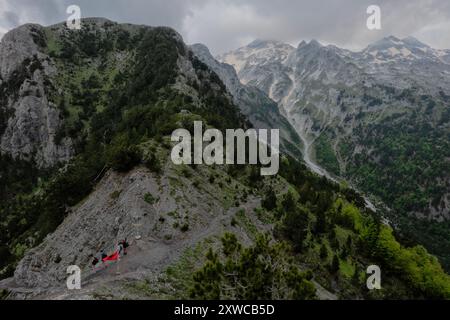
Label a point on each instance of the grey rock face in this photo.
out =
(263, 64)
(303, 81)
(31, 130)
(225, 71)
(312, 73)
(119, 208)
(403, 63)
(99, 223)
(262, 111)
(308, 83)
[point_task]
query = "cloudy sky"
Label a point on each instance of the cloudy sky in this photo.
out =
(228, 24)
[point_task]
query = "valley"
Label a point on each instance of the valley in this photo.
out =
(88, 118)
(359, 115)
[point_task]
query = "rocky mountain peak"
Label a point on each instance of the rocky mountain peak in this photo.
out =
(16, 46)
(257, 52)
(385, 44)
(302, 44)
(393, 48)
(314, 94)
(264, 44)
(314, 43)
(30, 129)
(201, 48)
(414, 42)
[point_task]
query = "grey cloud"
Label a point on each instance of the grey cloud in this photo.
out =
(11, 19)
(339, 22)
(226, 24)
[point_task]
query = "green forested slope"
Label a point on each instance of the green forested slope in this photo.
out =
(123, 86)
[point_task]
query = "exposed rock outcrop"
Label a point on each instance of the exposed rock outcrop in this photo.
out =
(26, 72)
(161, 216)
(262, 111)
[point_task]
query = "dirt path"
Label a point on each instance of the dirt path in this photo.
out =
(149, 256)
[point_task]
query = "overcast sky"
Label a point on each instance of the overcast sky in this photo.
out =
(224, 25)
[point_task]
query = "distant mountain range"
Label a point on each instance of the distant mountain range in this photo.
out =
(380, 118)
(85, 123)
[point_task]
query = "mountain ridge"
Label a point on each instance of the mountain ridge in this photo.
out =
(121, 91)
(348, 107)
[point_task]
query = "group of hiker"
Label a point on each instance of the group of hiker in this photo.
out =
(103, 257)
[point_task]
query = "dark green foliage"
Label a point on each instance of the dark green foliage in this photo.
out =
(435, 235)
(153, 164)
(413, 158)
(5, 114)
(149, 198)
(321, 223)
(115, 195)
(123, 158)
(401, 155)
(419, 273)
(107, 113)
(5, 256)
(155, 65)
(270, 200)
(323, 252)
(254, 176)
(325, 155)
(261, 272)
(295, 223)
(349, 243)
(33, 216)
(119, 110)
(4, 294)
(334, 266)
(124, 40)
(16, 177)
(407, 167)
(184, 227)
(421, 270)
(289, 204)
(334, 243)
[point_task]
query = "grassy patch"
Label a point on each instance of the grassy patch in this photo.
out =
(325, 155)
(116, 194)
(246, 223)
(346, 268)
(179, 275)
(150, 199)
(264, 216)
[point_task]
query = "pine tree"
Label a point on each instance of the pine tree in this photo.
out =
(323, 252)
(288, 203)
(321, 223)
(270, 201)
(334, 242)
(355, 278)
(295, 227)
(264, 271)
(334, 266)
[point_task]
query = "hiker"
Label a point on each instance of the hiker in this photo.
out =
(95, 261)
(125, 245)
(103, 256)
(120, 248)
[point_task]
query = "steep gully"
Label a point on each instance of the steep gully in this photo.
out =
(299, 123)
